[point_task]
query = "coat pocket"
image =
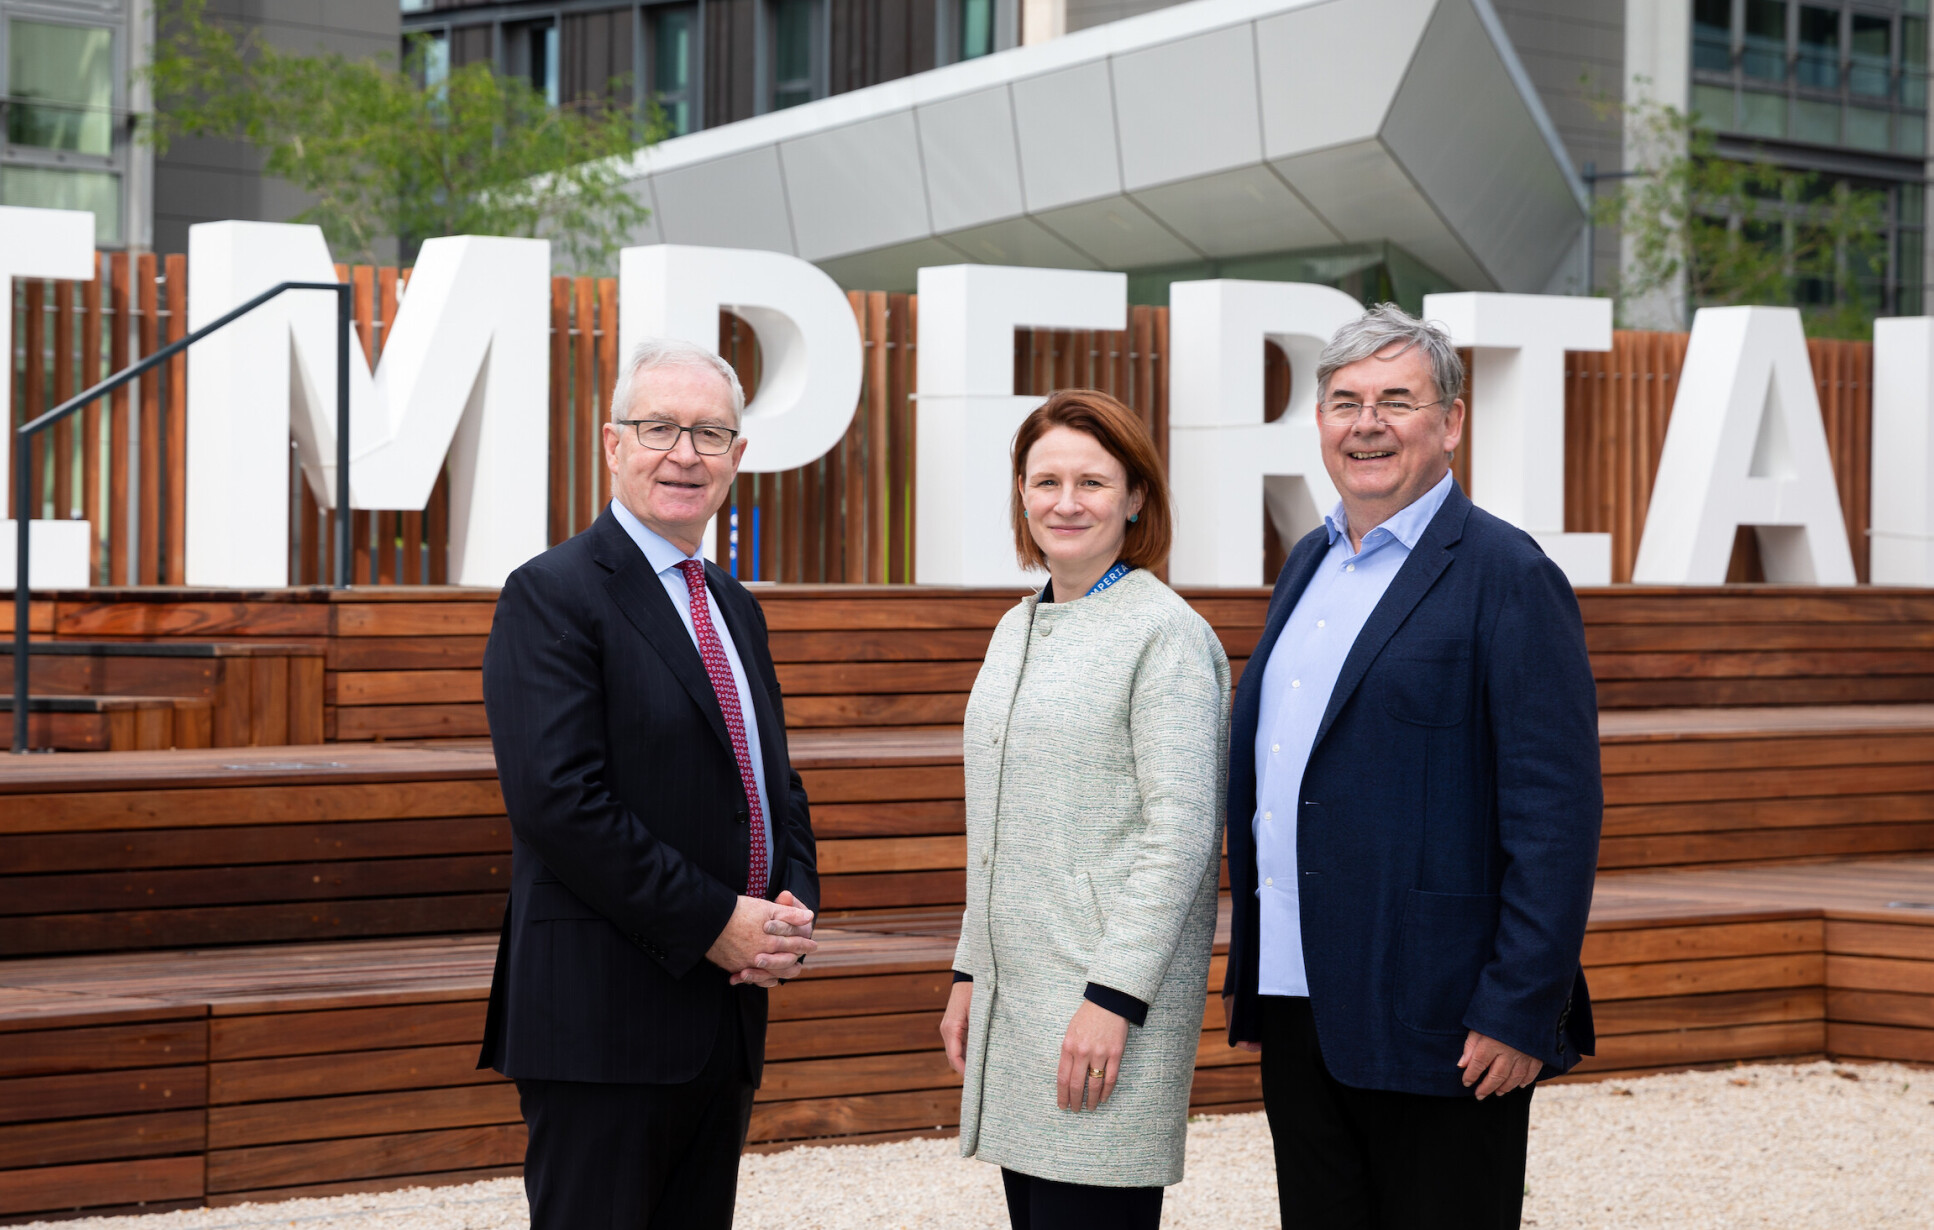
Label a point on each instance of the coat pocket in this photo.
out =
(1442, 950)
(1427, 681)
(1086, 908)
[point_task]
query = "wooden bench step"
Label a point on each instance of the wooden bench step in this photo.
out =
(257, 693)
(114, 723)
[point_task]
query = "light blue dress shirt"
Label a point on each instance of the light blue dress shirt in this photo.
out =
(1296, 686)
(665, 560)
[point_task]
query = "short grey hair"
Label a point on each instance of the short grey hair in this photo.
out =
(1382, 327)
(656, 352)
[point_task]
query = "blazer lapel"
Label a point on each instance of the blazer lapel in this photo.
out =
(642, 597)
(1419, 572)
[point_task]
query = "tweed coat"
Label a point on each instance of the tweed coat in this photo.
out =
(1096, 759)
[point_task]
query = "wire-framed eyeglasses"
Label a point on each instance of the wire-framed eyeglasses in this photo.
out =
(657, 434)
(1344, 412)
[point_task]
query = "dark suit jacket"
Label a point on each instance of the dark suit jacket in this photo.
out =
(1447, 832)
(630, 833)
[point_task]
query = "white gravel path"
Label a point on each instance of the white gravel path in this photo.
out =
(1826, 1146)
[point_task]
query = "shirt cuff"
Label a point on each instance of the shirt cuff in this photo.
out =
(960, 977)
(1121, 1003)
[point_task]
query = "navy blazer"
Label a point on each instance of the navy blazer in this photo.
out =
(629, 821)
(1447, 833)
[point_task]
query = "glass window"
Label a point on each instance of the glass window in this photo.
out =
(1712, 105)
(1818, 122)
(1763, 51)
(1762, 115)
(544, 62)
(1872, 36)
(1867, 128)
(98, 192)
(1818, 63)
(1913, 63)
(976, 28)
(792, 53)
(1911, 205)
(436, 59)
(60, 82)
(1910, 134)
(1910, 274)
(671, 66)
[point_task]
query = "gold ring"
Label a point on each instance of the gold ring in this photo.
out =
(1097, 1073)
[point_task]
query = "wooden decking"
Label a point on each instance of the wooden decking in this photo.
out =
(247, 1073)
(405, 662)
(157, 850)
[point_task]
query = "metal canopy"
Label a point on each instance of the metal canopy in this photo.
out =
(1206, 131)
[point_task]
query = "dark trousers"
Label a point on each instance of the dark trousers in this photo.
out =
(1044, 1204)
(640, 1157)
(1370, 1159)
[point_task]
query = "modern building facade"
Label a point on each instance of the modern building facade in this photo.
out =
(709, 62)
(74, 104)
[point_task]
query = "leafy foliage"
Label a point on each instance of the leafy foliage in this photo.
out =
(383, 153)
(1733, 232)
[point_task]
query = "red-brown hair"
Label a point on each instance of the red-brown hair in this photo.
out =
(1121, 432)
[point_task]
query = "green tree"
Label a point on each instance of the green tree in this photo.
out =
(1737, 232)
(386, 154)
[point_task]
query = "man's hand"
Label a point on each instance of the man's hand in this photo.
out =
(1094, 1042)
(953, 1025)
(1499, 1068)
(763, 938)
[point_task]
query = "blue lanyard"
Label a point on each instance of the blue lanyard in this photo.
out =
(1121, 569)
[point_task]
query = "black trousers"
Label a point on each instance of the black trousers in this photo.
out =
(640, 1157)
(1044, 1204)
(1370, 1159)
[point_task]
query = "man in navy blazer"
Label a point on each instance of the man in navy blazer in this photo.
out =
(1414, 807)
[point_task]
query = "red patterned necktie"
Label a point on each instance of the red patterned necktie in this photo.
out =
(727, 691)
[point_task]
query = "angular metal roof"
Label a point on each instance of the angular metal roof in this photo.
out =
(1209, 130)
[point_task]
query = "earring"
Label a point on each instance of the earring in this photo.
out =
(1025, 514)
(1134, 516)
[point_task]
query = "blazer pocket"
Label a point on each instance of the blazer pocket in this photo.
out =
(1442, 949)
(1427, 681)
(550, 901)
(1087, 908)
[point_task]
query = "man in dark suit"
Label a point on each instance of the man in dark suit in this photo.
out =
(1414, 804)
(641, 745)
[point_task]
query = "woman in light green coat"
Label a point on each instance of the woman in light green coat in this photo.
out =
(1096, 741)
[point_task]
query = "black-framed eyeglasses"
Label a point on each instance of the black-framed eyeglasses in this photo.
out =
(1341, 412)
(662, 436)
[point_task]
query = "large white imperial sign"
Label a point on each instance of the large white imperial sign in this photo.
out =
(465, 376)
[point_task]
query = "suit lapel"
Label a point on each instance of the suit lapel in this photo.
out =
(642, 597)
(1407, 589)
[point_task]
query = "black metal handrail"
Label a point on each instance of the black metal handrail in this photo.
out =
(23, 466)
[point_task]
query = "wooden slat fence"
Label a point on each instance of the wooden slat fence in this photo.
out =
(120, 463)
(848, 517)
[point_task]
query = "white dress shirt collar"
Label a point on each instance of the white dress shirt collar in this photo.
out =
(1407, 525)
(657, 548)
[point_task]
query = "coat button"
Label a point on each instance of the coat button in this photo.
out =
(1047, 631)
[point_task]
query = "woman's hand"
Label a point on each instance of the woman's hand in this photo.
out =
(953, 1025)
(1093, 1043)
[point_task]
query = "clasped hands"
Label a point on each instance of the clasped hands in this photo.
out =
(1093, 1044)
(764, 942)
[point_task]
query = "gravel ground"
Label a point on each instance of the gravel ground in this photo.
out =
(1837, 1147)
